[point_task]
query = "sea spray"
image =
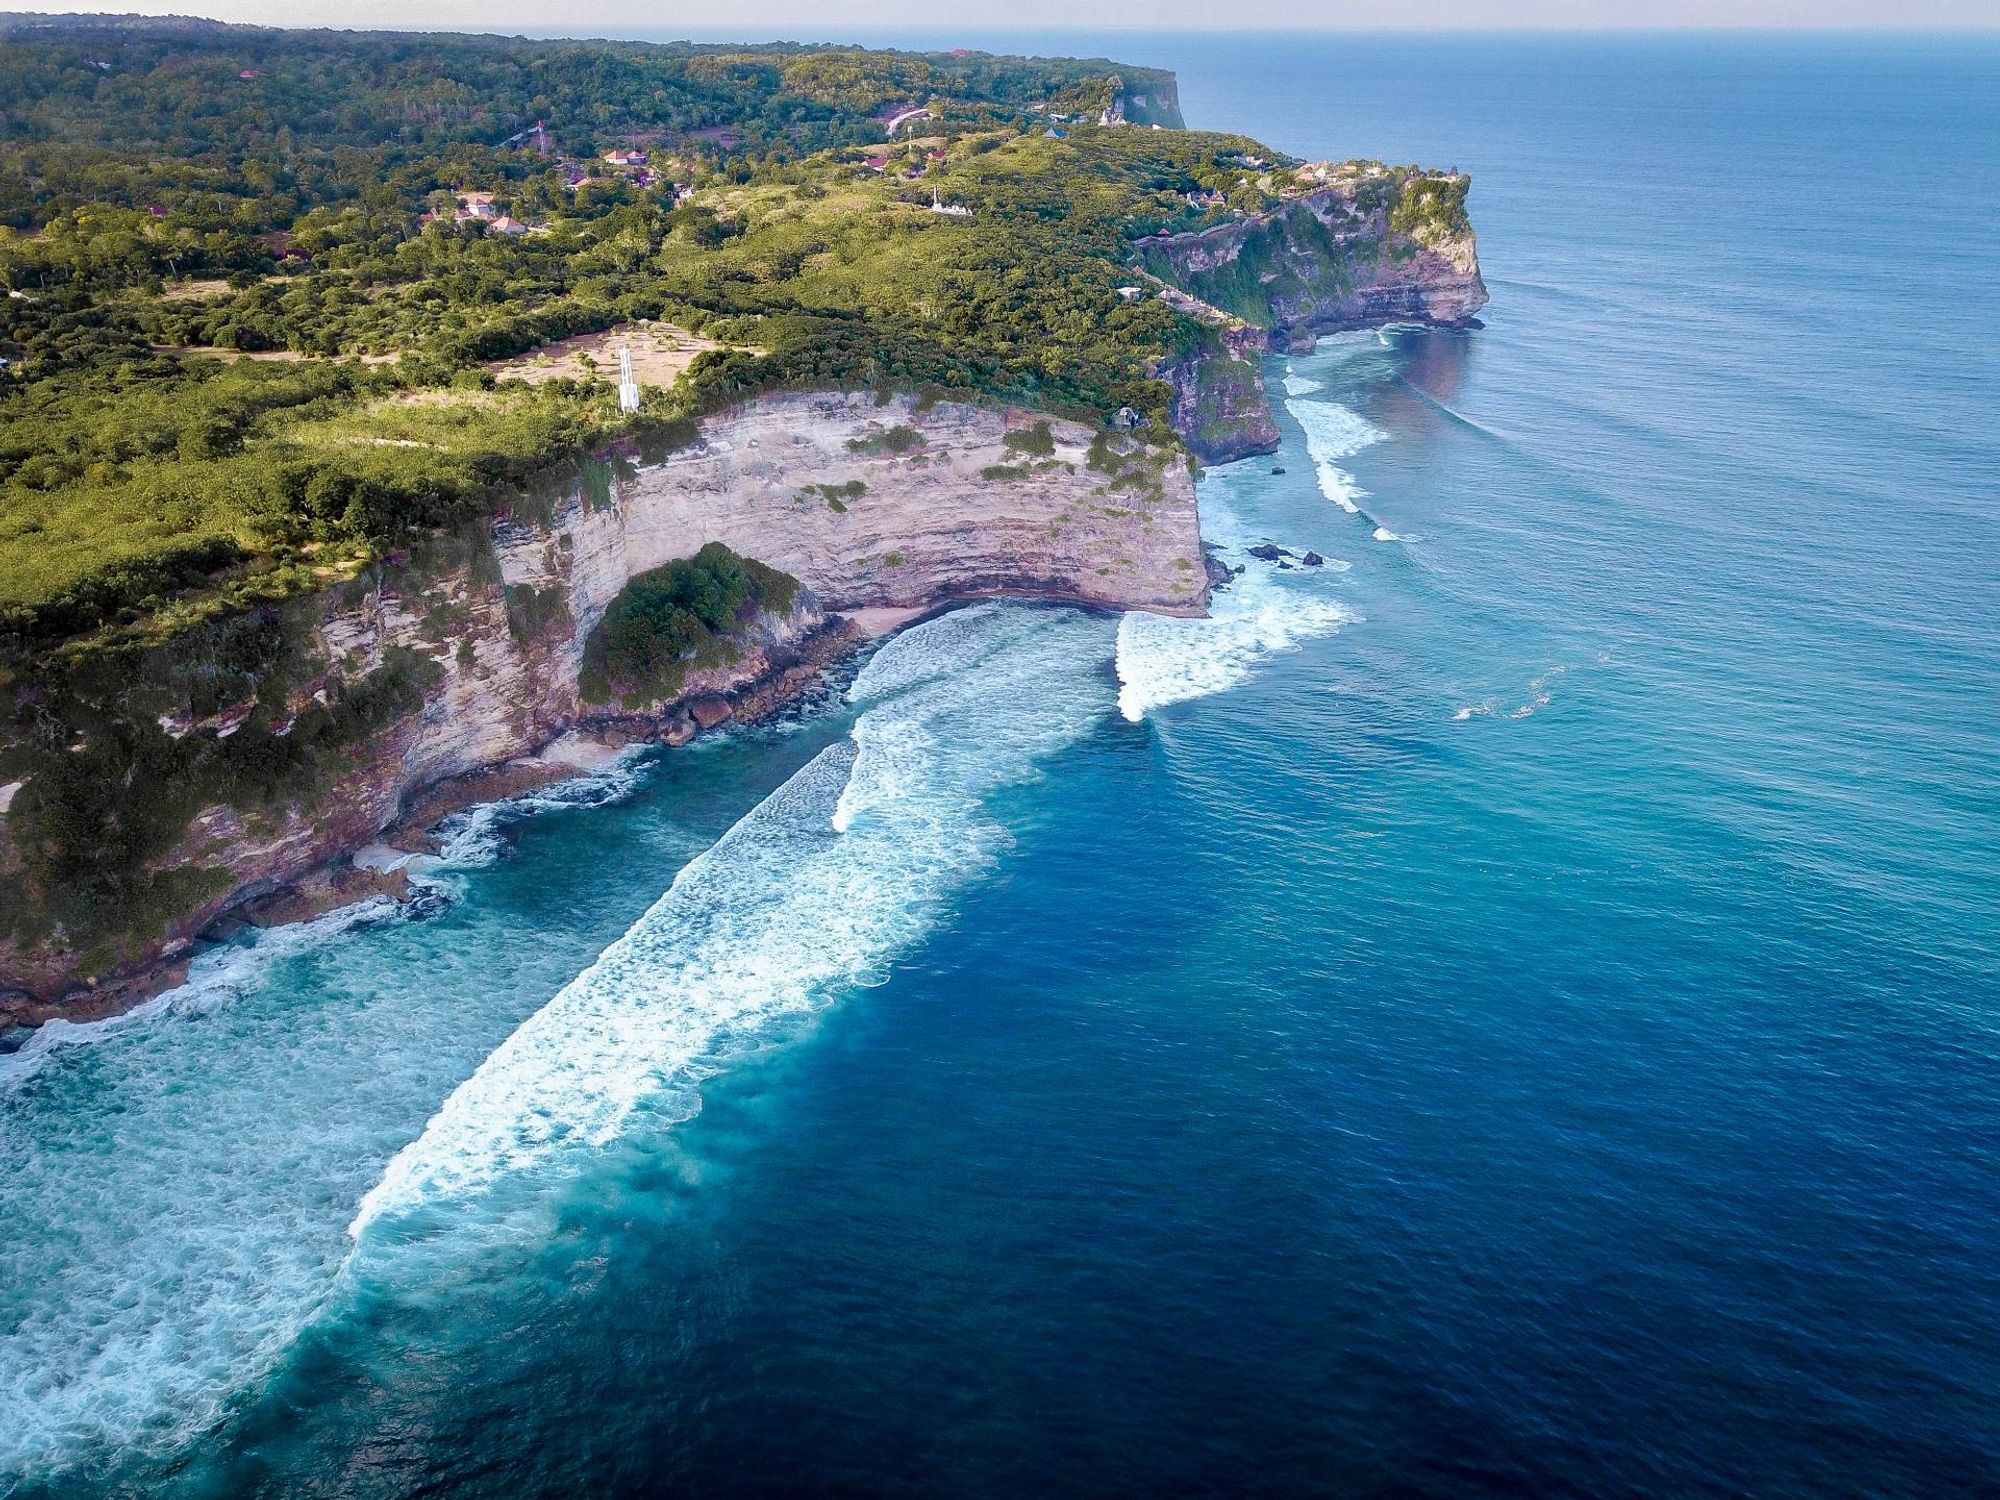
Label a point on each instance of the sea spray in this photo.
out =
(478, 835)
(814, 892)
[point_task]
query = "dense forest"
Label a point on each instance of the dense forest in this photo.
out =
(253, 338)
(268, 293)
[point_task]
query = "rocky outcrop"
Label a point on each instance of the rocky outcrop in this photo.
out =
(1220, 409)
(866, 503)
(1366, 246)
(1147, 96)
(890, 504)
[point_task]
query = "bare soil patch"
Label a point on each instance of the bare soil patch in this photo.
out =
(661, 354)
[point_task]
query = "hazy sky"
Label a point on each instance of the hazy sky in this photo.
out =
(835, 18)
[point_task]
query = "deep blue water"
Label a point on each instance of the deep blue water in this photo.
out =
(1516, 1014)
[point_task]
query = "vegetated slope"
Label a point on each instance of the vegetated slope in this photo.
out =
(178, 219)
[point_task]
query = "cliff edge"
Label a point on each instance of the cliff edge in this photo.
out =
(1362, 246)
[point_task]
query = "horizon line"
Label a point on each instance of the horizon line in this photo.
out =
(670, 32)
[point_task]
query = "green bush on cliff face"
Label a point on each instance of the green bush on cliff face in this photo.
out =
(670, 619)
(1431, 209)
(110, 789)
(1035, 442)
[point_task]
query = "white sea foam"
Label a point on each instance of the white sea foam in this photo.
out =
(1255, 617)
(1540, 692)
(813, 892)
(1384, 534)
(179, 1177)
(166, 1227)
(215, 977)
(1301, 385)
(477, 835)
(1334, 432)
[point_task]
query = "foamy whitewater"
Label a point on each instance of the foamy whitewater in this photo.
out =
(197, 1159)
(1333, 432)
(814, 891)
(1259, 614)
(1543, 1039)
(208, 1219)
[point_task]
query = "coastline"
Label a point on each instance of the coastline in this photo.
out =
(374, 870)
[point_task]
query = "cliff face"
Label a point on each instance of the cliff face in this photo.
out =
(1149, 97)
(872, 505)
(1220, 408)
(865, 504)
(1365, 247)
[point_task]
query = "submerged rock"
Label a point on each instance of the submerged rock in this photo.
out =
(1277, 468)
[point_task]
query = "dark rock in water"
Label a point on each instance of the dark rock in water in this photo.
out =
(1286, 566)
(678, 730)
(1269, 553)
(1277, 468)
(1237, 571)
(1217, 570)
(1313, 560)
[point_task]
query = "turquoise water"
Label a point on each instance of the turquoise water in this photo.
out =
(1513, 1011)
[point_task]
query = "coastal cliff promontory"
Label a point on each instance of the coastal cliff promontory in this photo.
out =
(339, 710)
(1360, 245)
(354, 443)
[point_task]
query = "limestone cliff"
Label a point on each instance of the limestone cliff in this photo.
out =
(471, 659)
(1364, 245)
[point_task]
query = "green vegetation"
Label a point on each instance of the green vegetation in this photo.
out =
(1291, 258)
(675, 619)
(272, 305)
(110, 789)
(1431, 208)
(1035, 442)
(900, 439)
(837, 495)
(252, 344)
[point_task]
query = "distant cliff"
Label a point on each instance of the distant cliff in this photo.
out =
(1367, 245)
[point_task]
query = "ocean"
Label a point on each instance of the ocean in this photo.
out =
(1514, 1010)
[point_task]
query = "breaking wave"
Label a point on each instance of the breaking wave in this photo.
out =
(1260, 614)
(214, 978)
(812, 893)
(1334, 432)
(180, 1176)
(478, 835)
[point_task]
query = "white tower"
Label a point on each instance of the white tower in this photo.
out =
(628, 388)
